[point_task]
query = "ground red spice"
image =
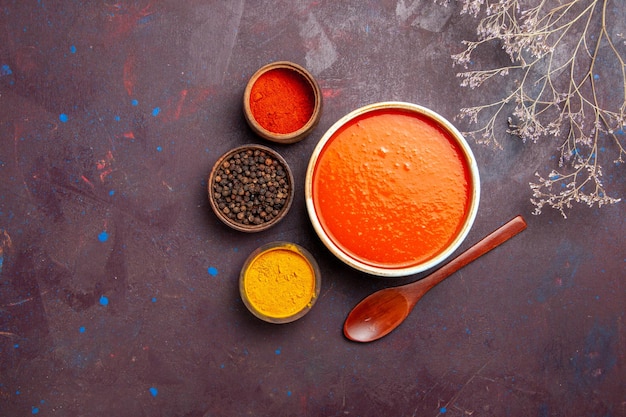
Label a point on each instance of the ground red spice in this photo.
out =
(282, 101)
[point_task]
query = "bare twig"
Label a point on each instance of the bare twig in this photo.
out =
(560, 50)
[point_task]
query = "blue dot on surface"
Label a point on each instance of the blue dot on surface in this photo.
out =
(82, 329)
(117, 118)
(212, 271)
(156, 111)
(35, 410)
(112, 192)
(104, 300)
(103, 236)
(159, 149)
(154, 300)
(134, 102)
(277, 351)
(5, 70)
(443, 410)
(73, 49)
(63, 117)
(153, 391)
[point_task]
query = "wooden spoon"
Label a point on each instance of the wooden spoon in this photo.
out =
(378, 314)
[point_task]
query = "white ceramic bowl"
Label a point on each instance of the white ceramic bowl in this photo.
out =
(380, 186)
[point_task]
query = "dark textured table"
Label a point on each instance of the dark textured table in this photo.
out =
(118, 285)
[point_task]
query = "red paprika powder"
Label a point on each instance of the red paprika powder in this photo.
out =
(282, 101)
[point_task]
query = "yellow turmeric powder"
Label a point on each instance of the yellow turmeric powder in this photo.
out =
(279, 282)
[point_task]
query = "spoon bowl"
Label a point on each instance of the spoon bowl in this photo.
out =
(381, 312)
(377, 315)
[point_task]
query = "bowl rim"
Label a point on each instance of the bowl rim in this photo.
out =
(293, 247)
(295, 136)
(242, 227)
(474, 192)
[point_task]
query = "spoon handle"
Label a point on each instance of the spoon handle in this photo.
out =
(489, 242)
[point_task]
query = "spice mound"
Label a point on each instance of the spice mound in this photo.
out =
(279, 282)
(250, 188)
(282, 101)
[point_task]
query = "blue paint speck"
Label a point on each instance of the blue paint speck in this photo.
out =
(134, 102)
(156, 111)
(5, 70)
(153, 391)
(104, 300)
(146, 19)
(212, 271)
(443, 410)
(63, 117)
(117, 118)
(288, 393)
(154, 300)
(159, 149)
(35, 410)
(277, 351)
(596, 77)
(82, 329)
(73, 49)
(468, 331)
(112, 193)
(103, 236)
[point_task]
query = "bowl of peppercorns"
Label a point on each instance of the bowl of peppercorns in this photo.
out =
(250, 188)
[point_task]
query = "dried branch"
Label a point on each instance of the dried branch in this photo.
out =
(567, 67)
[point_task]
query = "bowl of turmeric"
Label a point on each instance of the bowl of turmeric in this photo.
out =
(280, 282)
(392, 189)
(282, 102)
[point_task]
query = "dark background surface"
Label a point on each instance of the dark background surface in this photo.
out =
(118, 286)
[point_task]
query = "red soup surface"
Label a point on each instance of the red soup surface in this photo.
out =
(391, 188)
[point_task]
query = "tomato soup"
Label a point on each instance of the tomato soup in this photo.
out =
(392, 188)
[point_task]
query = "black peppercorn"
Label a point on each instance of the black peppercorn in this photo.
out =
(251, 187)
